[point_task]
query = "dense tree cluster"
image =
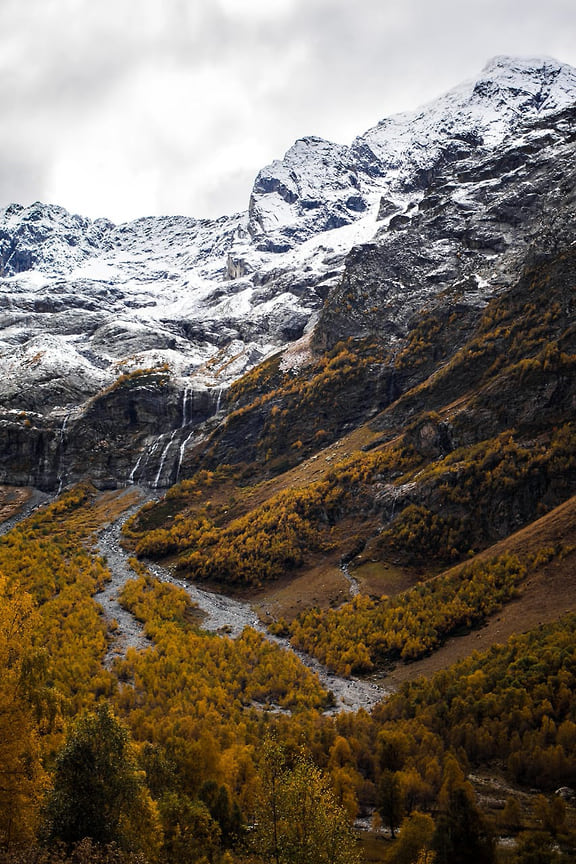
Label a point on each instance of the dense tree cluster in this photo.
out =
(98, 791)
(477, 492)
(266, 540)
(252, 549)
(194, 704)
(515, 703)
(365, 633)
(47, 556)
(297, 815)
(22, 674)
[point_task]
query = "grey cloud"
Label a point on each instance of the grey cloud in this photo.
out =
(350, 64)
(20, 179)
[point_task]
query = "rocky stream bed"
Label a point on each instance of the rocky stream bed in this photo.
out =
(224, 615)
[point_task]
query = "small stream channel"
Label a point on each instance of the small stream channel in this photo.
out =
(353, 586)
(129, 632)
(223, 614)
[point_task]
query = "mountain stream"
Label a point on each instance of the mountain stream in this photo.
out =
(225, 615)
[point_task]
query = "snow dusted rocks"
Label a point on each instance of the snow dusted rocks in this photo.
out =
(438, 206)
(319, 186)
(484, 210)
(46, 237)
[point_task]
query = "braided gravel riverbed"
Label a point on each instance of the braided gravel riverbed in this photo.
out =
(225, 615)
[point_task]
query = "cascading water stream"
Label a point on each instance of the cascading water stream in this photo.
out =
(182, 450)
(138, 472)
(146, 454)
(354, 588)
(224, 615)
(132, 476)
(164, 457)
(221, 390)
(61, 441)
(185, 400)
(186, 420)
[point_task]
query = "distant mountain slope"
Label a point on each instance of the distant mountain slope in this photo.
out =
(349, 546)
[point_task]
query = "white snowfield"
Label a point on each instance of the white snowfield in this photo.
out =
(83, 301)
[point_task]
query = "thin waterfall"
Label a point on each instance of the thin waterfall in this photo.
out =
(169, 445)
(61, 437)
(145, 455)
(132, 477)
(181, 452)
(219, 398)
(164, 457)
(185, 400)
(187, 414)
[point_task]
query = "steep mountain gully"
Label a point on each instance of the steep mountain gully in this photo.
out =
(222, 614)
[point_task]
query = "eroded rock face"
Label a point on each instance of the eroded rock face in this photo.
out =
(136, 432)
(468, 238)
(437, 208)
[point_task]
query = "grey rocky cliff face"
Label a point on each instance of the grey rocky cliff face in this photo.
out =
(136, 432)
(436, 208)
(466, 240)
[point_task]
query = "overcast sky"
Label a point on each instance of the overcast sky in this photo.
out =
(126, 108)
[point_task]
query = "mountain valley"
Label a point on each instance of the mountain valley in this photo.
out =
(350, 411)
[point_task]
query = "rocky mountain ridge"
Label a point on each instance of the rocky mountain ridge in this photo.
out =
(119, 341)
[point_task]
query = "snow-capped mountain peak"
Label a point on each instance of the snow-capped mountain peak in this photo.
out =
(319, 185)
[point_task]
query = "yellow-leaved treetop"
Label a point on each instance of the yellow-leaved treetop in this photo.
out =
(22, 780)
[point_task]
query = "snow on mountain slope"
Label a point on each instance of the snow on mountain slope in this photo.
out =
(83, 302)
(323, 185)
(478, 113)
